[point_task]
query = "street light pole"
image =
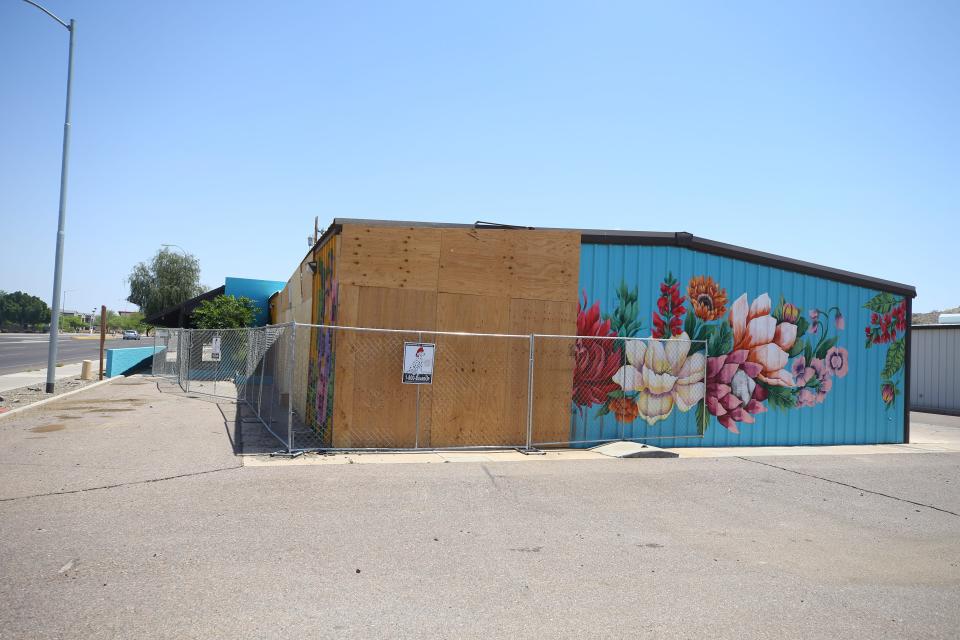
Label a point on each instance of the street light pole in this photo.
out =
(61, 223)
(63, 300)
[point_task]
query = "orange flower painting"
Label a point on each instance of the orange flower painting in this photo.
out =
(709, 301)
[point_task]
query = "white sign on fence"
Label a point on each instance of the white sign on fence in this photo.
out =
(418, 362)
(215, 351)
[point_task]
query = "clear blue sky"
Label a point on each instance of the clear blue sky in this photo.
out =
(825, 131)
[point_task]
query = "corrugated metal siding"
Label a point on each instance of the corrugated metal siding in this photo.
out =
(935, 369)
(853, 412)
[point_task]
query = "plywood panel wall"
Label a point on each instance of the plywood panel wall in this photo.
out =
(452, 279)
(391, 257)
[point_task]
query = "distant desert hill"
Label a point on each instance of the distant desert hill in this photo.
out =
(931, 316)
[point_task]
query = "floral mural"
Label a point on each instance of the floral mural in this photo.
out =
(320, 380)
(723, 360)
(888, 325)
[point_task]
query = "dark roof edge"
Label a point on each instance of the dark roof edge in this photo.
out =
(194, 301)
(690, 241)
(674, 239)
(935, 326)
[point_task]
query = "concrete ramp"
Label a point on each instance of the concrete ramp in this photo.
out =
(626, 449)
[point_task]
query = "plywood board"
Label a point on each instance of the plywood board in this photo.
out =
(393, 257)
(384, 308)
(476, 261)
(552, 366)
(344, 366)
(470, 388)
(546, 265)
(483, 281)
(531, 264)
(373, 408)
(384, 409)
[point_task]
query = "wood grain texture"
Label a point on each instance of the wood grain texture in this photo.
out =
(546, 265)
(386, 308)
(553, 365)
(373, 407)
(477, 262)
(344, 366)
(536, 265)
(393, 257)
(482, 281)
(469, 392)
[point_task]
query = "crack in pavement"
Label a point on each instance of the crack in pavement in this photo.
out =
(493, 480)
(851, 486)
(122, 484)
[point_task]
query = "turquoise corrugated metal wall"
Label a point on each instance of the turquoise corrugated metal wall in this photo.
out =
(853, 411)
(257, 290)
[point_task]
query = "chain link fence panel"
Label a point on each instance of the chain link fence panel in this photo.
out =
(642, 389)
(319, 387)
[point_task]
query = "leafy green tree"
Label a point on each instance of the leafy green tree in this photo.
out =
(167, 280)
(132, 321)
(224, 312)
(71, 323)
(19, 310)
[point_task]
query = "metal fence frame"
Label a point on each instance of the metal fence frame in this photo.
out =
(271, 353)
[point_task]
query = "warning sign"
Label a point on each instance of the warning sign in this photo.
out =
(418, 362)
(215, 351)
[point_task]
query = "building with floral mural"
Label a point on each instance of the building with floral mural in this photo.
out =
(669, 338)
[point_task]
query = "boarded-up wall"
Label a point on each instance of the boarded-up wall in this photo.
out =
(293, 304)
(451, 279)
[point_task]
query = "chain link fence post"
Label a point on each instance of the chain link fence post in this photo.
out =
(179, 361)
(263, 370)
(530, 365)
(189, 357)
(292, 369)
(416, 435)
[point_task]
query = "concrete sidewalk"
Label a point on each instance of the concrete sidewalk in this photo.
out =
(126, 431)
(929, 433)
(39, 376)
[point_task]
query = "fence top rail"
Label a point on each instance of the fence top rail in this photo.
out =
(630, 338)
(435, 332)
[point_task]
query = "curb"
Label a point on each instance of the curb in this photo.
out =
(39, 403)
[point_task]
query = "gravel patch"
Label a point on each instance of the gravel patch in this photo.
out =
(25, 396)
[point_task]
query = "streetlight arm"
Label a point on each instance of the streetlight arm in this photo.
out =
(177, 246)
(64, 24)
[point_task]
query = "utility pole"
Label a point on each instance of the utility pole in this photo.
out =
(103, 334)
(61, 223)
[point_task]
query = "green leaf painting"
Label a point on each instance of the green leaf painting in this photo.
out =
(781, 397)
(894, 362)
(721, 339)
(882, 302)
(623, 320)
(888, 324)
(824, 346)
(703, 418)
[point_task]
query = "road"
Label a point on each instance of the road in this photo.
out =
(124, 514)
(27, 351)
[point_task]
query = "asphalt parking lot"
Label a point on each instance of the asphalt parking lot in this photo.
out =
(124, 513)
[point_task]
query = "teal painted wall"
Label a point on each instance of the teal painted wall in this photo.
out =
(119, 361)
(257, 290)
(841, 379)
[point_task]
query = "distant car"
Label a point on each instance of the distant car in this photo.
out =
(130, 334)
